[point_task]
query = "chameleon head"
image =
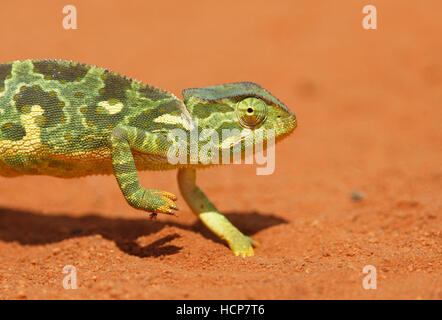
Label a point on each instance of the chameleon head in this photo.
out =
(243, 108)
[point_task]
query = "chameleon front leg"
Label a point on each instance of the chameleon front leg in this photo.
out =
(152, 200)
(240, 244)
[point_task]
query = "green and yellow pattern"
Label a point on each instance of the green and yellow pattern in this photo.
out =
(67, 119)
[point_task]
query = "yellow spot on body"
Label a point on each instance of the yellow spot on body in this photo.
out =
(79, 95)
(2, 89)
(62, 119)
(112, 106)
(22, 88)
(169, 119)
(48, 77)
(90, 123)
(89, 139)
(31, 141)
(83, 109)
(68, 137)
(52, 93)
(61, 104)
(36, 87)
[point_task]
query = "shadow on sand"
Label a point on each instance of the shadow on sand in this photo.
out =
(33, 228)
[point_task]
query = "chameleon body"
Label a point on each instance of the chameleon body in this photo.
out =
(69, 120)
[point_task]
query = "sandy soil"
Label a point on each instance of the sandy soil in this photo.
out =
(369, 109)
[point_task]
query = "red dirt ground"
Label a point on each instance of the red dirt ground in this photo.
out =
(369, 109)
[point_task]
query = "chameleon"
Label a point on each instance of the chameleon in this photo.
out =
(66, 119)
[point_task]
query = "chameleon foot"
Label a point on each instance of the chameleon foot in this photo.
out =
(243, 246)
(158, 201)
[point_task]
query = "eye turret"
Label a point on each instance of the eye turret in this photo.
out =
(251, 112)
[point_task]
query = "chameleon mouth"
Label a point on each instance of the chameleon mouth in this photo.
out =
(287, 128)
(288, 124)
(294, 124)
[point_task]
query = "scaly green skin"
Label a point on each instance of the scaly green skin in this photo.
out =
(68, 120)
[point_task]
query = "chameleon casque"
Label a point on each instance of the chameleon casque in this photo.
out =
(67, 119)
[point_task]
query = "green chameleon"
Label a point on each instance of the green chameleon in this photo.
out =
(68, 120)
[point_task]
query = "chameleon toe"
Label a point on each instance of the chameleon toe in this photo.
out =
(242, 246)
(169, 195)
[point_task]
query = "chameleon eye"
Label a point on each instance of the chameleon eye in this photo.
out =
(251, 112)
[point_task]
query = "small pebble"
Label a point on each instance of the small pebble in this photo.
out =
(357, 195)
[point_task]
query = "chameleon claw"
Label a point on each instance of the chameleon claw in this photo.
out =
(169, 208)
(158, 201)
(243, 246)
(168, 195)
(174, 206)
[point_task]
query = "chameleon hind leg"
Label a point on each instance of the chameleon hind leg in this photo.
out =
(240, 244)
(122, 140)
